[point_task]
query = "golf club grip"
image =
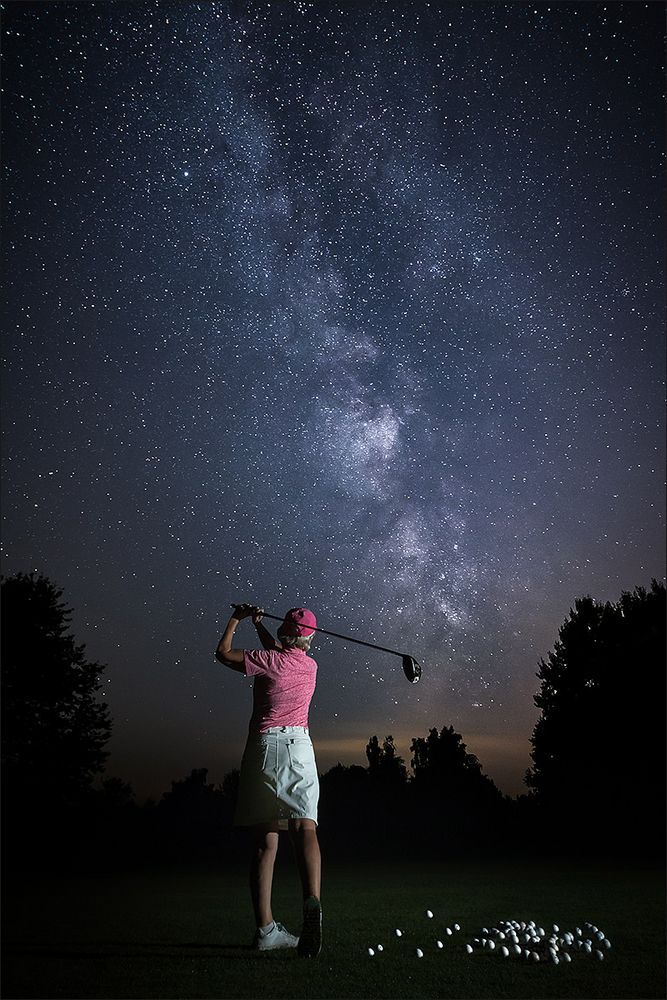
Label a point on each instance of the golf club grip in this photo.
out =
(337, 635)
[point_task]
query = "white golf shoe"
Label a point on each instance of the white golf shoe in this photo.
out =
(278, 937)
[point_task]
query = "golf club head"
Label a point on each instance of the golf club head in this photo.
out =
(411, 669)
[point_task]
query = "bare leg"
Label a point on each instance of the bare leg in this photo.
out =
(264, 851)
(303, 833)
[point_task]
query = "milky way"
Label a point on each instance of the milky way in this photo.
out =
(356, 306)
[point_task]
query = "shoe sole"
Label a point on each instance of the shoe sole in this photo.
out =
(310, 942)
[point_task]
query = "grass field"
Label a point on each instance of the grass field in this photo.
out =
(186, 933)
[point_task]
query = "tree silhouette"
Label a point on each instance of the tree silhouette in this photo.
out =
(598, 746)
(385, 767)
(192, 814)
(452, 802)
(443, 767)
(54, 729)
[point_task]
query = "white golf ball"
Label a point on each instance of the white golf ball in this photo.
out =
(535, 957)
(555, 959)
(607, 943)
(420, 953)
(371, 952)
(566, 957)
(505, 951)
(491, 945)
(429, 914)
(501, 935)
(448, 931)
(457, 927)
(517, 949)
(469, 949)
(599, 954)
(556, 928)
(398, 933)
(380, 948)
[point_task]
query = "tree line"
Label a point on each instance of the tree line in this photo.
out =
(596, 783)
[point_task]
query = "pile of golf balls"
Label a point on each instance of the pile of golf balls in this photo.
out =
(524, 939)
(531, 942)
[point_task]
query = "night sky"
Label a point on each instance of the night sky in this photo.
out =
(355, 306)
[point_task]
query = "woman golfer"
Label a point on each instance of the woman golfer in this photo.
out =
(279, 786)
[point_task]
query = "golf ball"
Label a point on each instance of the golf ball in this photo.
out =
(439, 944)
(371, 952)
(491, 945)
(556, 928)
(606, 943)
(420, 953)
(599, 954)
(457, 927)
(535, 957)
(517, 949)
(398, 933)
(448, 931)
(566, 957)
(380, 948)
(505, 951)
(429, 914)
(469, 949)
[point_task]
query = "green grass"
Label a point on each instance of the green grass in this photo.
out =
(185, 933)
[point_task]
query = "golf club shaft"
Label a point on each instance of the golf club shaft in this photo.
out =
(337, 635)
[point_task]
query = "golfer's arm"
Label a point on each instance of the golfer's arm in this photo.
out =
(267, 639)
(224, 653)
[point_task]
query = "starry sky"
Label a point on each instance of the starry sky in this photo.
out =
(355, 306)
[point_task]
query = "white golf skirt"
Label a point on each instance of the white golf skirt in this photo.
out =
(278, 778)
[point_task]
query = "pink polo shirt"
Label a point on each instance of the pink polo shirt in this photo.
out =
(283, 687)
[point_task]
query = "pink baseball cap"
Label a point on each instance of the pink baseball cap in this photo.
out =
(298, 622)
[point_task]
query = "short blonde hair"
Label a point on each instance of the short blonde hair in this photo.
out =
(296, 641)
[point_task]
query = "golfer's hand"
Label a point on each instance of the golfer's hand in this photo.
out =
(257, 615)
(242, 611)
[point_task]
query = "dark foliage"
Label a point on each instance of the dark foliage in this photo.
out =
(598, 770)
(453, 803)
(54, 727)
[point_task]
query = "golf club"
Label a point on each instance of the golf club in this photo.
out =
(411, 667)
